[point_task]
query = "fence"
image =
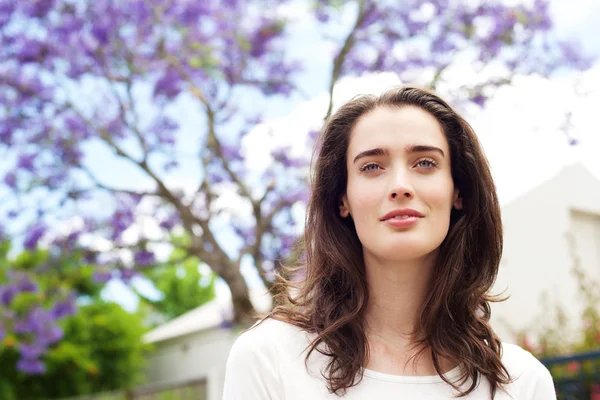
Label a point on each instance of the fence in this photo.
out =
(184, 390)
(576, 377)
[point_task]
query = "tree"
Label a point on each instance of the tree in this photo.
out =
(36, 293)
(102, 350)
(53, 347)
(181, 285)
(107, 76)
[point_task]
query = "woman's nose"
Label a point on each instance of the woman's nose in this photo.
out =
(401, 188)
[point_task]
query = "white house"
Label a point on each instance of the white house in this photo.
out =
(536, 260)
(544, 230)
(196, 344)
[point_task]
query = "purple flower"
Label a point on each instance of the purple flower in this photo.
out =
(31, 351)
(26, 285)
(144, 258)
(170, 222)
(76, 127)
(168, 85)
(479, 100)
(64, 308)
(11, 180)
(127, 274)
(31, 367)
(33, 236)
(38, 8)
(26, 161)
(321, 14)
(101, 32)
(101, 276)
(51, 334)
(32, 51)
(2, 332)
(25, 326)
(120, 221)
(282, 156)
(7, 293)
(231, 152)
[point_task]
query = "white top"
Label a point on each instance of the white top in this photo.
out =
(268, 363)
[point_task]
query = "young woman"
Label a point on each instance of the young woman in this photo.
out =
(402, 244)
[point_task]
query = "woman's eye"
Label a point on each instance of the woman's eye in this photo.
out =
(427, 163)
(369, 167)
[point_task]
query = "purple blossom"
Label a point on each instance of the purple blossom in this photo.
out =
(573, 57)
(144, 258)
(8, 126)
(11, 180)
(25, 326)
(101, 32)
(31, 351)
(31, 367)
(33, 236)
(479, 100)
(247, 234)
(26, 161)
(7, 293)
(2, 332)
(38, 8)
(76, 128)
(32, 51)
(64, 308)
(170, 222)
(281, 155)
(51, 334)
(321, 14)
(101, 276)
(231, 152)
(127, 274)
(120, 221)
(164, 129)
(263, 36)
(169, 84)
(25, 285)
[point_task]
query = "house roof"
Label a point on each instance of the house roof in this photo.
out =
(210, 315)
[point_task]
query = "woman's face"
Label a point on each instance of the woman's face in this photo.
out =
(400, 191)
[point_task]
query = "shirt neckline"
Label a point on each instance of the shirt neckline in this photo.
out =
(450, 375)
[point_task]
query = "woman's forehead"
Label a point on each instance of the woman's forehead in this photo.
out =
(396, 128)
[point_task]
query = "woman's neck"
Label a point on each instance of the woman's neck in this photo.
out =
(396, 294)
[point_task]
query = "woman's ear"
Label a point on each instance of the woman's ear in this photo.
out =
(457, 201)
(344, 207)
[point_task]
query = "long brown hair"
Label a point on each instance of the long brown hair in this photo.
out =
(331, 299)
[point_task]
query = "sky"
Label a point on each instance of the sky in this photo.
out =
(520, 127)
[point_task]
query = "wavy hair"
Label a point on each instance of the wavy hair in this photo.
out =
(331, 299)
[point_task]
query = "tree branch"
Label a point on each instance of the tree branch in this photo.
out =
(339, 59)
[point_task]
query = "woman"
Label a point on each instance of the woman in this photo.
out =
(402, 242)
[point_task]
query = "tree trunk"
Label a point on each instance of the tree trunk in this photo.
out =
(244, 313)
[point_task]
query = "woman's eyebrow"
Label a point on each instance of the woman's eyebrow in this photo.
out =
(416, 148)
(422, 148)
(377, 152)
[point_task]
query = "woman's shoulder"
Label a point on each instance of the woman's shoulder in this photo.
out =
(269, 338)
(257, 357)
(527, 373)
(518, 360)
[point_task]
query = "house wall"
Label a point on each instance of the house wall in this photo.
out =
(199, 354)
(537, 259)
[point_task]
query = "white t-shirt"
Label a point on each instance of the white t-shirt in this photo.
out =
(268, 363)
